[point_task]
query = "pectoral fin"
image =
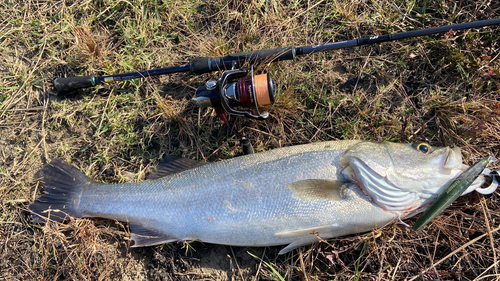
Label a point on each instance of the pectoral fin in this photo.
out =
(313, 189)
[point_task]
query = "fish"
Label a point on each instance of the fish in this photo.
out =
(291, 196)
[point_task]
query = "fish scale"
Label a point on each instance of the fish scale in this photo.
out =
(283, 196)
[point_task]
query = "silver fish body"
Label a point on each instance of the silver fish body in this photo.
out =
(289, 196)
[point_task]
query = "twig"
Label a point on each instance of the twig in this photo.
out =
(16, 201)
(260, 265)
(44, 133)
(237, 265)
(487, 221)
(454, 252)
(302, 266)
(396, 269)
(486, 270)
(300, 14)
(12, 102)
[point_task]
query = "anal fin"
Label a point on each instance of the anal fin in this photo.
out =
(143, 237)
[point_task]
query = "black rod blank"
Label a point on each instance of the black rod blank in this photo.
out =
(396, 36)
(206, 65)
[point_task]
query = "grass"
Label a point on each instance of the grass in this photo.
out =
(274, 273)
(442, 88)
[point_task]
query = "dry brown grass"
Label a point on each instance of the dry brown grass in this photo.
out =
(443, 88)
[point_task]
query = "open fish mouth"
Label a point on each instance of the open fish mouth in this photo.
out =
(452, 158)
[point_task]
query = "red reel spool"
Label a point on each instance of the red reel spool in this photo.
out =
(257, 90)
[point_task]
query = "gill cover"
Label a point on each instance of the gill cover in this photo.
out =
(402, 177)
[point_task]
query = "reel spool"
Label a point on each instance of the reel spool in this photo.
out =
(256, 90)
(235, 88)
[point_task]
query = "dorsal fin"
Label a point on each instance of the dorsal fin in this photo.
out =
(173, 164)
(313, 189)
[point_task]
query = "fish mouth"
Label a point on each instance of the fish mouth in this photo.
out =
(380, 189)
(449, 160)
(453, 161)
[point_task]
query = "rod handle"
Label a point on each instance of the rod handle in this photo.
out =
(70, 84)
(206, 65)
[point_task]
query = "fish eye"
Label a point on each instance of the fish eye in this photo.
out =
(423, 147)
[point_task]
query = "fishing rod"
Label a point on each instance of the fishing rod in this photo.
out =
(240, 87)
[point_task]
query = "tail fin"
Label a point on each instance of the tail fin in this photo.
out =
(63, 185)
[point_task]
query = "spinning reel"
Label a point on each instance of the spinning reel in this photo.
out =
(236, 88)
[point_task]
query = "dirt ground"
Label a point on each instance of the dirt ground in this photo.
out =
(443, 89)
